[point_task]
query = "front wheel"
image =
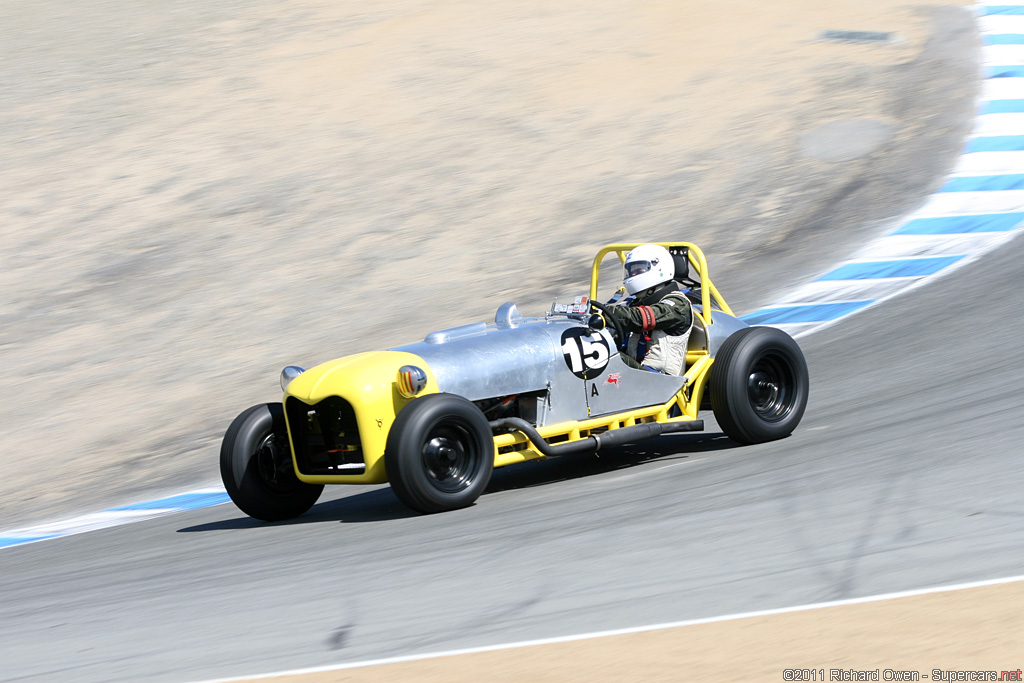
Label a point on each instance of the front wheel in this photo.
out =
(759, 385)
(440, 453)
(256, 466)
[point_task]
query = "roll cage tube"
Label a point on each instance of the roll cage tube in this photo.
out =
(708, 291)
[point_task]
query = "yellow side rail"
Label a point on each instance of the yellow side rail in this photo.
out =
(515, 446)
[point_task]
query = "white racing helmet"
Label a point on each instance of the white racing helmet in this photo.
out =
(646, 266)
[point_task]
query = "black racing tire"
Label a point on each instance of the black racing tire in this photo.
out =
(439, 454)
(759, 385)
(256, 466)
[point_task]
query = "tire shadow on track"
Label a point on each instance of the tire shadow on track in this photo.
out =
(377, 505)
(381, 505)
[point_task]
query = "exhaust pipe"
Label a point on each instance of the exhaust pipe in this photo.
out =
(595, 442)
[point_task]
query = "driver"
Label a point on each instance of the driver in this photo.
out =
(657, 316)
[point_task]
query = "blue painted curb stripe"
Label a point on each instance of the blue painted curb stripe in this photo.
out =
(985, 183)
(1003, 106)
(1003, 9)
(8, 541)
(900, 268)
(952, 225)
(1004, 39)
(185, 501)
(996, 143)
(1004, 71)
(804, 313)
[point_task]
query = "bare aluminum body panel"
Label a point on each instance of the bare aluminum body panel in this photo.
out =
(501, 362)
(576, 367)
(722, 327)
(621, 387)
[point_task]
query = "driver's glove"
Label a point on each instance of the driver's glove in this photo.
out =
(622, 316)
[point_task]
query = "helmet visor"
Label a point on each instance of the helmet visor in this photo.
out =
(634, 268)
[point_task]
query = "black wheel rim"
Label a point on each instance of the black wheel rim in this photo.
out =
(770, 387)
(274, 462)
(451, 456)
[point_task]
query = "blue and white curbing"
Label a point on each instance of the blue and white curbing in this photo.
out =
(125, 514)
(980, 207)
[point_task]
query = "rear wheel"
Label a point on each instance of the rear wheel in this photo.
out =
(256, 466)
(759, 385)
(440, 453)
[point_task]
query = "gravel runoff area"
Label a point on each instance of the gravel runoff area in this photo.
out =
(195, 195)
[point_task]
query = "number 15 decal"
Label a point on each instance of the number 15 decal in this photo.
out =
(586, 352)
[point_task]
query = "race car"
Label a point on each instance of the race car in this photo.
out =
(434, 418)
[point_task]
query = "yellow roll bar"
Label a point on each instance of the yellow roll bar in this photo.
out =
(708, 291)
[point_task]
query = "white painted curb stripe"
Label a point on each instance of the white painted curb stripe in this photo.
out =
(629, 631)
(999, 123)
(967, 203)
(1000, 24)
(989, 163)
(1002, 55)
(1002, 89)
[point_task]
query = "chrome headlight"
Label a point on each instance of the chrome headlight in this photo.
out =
(288, 374)
(411, 380)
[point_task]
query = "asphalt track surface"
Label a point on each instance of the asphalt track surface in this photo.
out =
(905, 472)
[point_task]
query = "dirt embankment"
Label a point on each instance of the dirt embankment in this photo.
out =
(193, 197)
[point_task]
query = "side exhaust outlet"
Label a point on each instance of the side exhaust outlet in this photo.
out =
(594, 442)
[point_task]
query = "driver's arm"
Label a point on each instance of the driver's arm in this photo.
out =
(668, 314)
